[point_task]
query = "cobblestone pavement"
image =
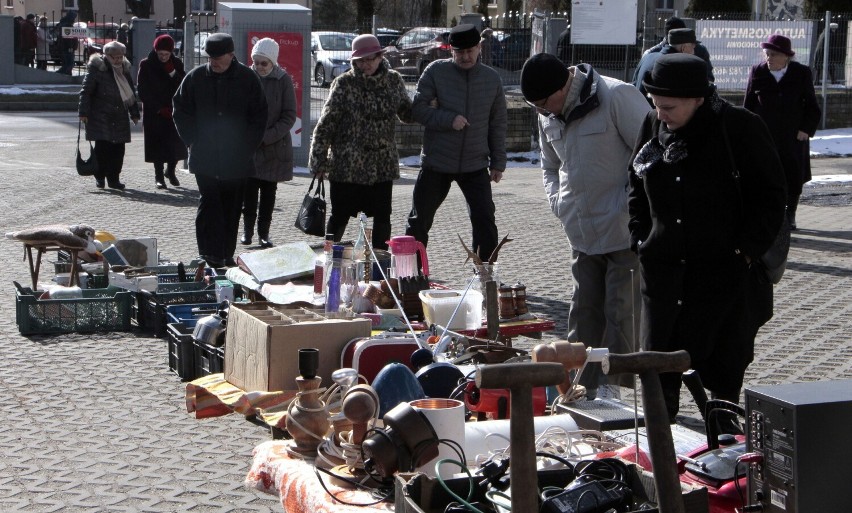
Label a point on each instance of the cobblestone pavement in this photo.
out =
(98, 422)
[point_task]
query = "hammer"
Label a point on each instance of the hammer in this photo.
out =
(649, 365)
(520, 379)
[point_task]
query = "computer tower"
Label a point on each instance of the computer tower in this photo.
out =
(802, 430)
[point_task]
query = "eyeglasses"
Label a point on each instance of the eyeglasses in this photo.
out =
(374, 58)
(263, 64)
(539, 104)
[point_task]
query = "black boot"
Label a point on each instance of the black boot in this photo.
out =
(170, 174)
(159, 181)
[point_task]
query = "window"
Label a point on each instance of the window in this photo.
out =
(69, 4)
(128, 10)
(197, 6)
(665, 5)
(10, 4)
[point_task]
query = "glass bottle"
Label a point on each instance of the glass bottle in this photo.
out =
(332, 289)
(321, 266)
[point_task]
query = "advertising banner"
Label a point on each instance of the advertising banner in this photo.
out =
(734, 46)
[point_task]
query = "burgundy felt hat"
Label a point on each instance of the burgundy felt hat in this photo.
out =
(779, 43)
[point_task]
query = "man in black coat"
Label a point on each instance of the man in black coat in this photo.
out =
(220, 113)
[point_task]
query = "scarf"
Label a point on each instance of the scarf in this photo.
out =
(670, 146)
(124, 88)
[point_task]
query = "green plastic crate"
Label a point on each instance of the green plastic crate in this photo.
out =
(98, 310)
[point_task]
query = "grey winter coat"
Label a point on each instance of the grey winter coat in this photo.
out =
(273, 161)
(584, 161)
(476, 94)
(100, 102)
(222, 118)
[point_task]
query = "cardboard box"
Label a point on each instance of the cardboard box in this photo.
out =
(418, 493)
(262, 344)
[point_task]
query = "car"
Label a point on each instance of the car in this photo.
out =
(330, 53)
(514, 48)
(387, 37)
(415, 49)
(99, 34)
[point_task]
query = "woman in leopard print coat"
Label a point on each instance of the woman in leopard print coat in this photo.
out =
(353, 143)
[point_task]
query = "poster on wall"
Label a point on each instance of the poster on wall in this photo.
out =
(603, 22)
(734, 46)
(290, 46)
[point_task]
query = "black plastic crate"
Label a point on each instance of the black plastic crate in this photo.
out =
(208, 359)
(98, 310)
(188, 315)
(181, 351)
(150, 312)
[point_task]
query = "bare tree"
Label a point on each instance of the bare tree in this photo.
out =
(364, 15)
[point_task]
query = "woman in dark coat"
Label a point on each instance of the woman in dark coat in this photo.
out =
(696, 232)
(781, 93)
(106, 98)
(160, 75)
(273, 161)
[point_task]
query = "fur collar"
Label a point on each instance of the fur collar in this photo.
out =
(98, 62)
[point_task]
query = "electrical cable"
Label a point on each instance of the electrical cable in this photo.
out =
(317, 470)
(452, 494)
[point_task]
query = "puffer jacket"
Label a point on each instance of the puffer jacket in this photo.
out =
(584, 157)
(273, 161)
(100, 102)
(354, 140)
(222, 118)
(477, 94)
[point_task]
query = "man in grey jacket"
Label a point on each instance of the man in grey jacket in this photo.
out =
(588, 125)
(461, 103)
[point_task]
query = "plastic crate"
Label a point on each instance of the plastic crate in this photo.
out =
(150, 313)
(98, 310)
(181, 351)
(208, 359)
(184, 313)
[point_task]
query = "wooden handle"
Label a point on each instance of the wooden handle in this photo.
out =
(519, 375)
(646, 361)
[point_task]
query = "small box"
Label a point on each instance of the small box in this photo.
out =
(263, 342)
(133, 283)
(181, 351)
(439, 306)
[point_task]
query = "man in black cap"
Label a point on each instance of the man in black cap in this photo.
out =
(679, 40)
(587, 127)
(700, 50)
(220, 113)
(461, 103)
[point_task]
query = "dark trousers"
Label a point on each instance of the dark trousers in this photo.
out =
(347, 199)
(158, 170)
(432, 188)
(258, 211)
(110, 160)
(217, 221)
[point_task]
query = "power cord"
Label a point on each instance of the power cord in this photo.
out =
(388, 493)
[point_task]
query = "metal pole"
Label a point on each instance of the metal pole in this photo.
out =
(825, 48)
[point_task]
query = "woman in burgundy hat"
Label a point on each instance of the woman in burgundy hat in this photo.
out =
(780, 91)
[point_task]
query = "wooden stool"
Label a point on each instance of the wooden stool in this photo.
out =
(42, 248)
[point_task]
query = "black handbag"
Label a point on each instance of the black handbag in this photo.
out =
(773, 263)
(87, 167)
(311, 216)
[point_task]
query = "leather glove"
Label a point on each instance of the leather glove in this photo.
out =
(165, 112)
(169, 67)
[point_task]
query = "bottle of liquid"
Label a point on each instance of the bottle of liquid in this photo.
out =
(332, 289)
(321, 266)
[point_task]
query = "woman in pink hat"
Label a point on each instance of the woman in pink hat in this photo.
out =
(353, 143)
(780, 91)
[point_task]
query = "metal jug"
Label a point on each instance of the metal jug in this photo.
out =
(211, 329)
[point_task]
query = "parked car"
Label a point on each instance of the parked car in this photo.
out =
(515, 47)
(330, 52)
(99, 35)
(387, 37)
(415, 49)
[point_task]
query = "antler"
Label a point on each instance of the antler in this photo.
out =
(496, 251)
(470, 254)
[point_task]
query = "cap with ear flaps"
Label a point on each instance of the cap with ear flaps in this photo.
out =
(681, 36)
(265, 47)
(218, 44)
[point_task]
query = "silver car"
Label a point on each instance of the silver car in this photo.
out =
(330, 52)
